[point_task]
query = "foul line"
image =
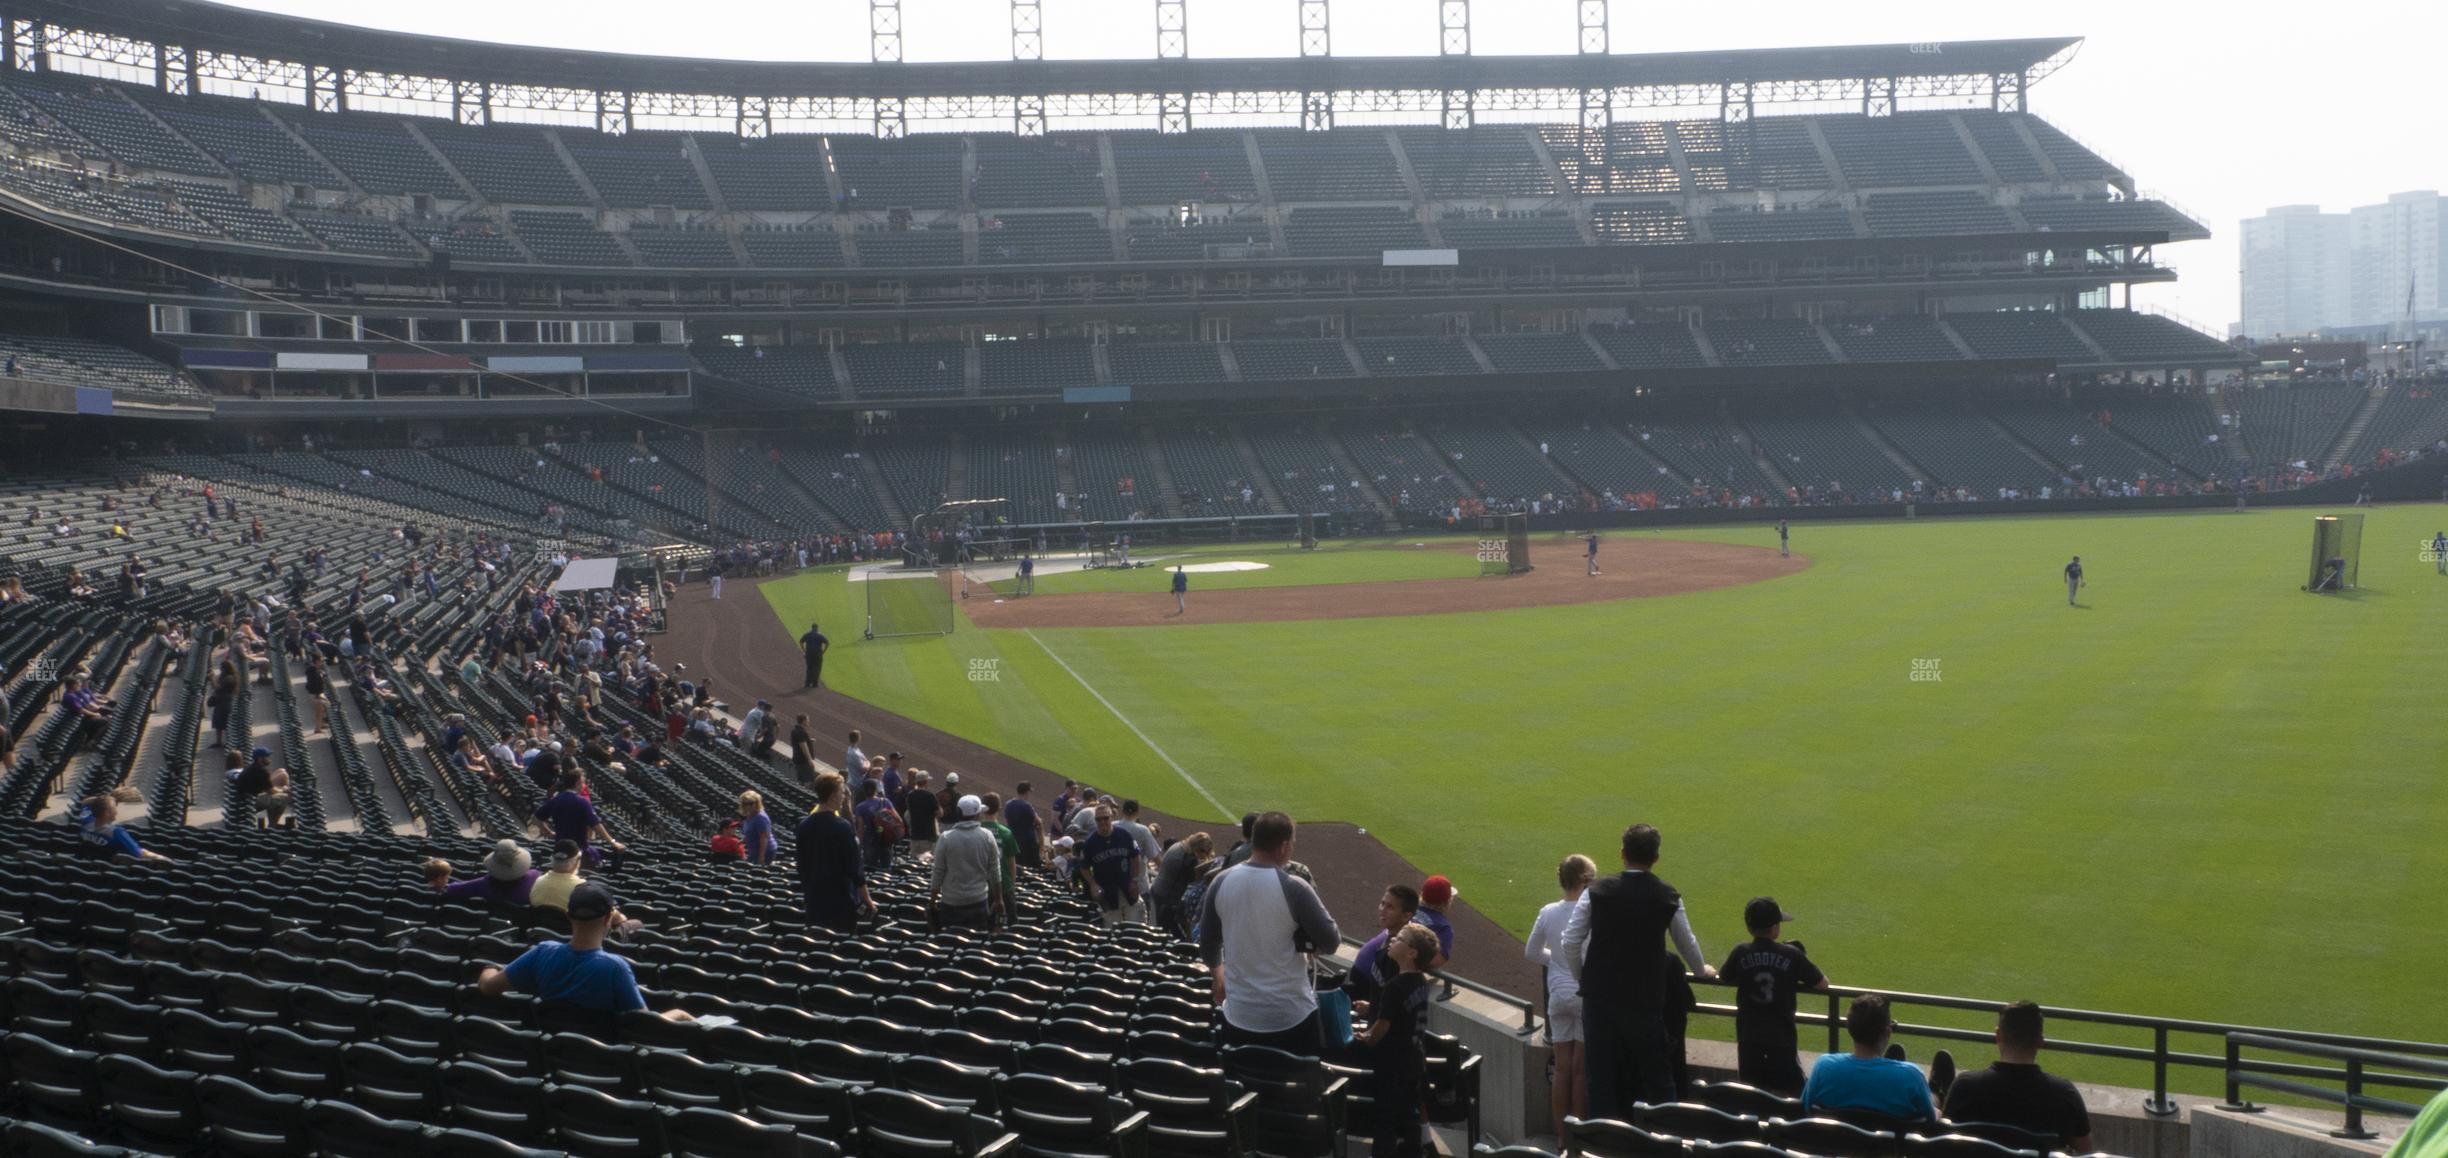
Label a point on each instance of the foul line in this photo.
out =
(1222, 811)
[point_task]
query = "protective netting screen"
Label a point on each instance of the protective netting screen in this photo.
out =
(908, 603)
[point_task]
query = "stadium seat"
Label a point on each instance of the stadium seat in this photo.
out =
(1999, 1133)
(1695, 1122)
(1607, 1138)
(246, 1120)
(1746, 1101)
(153, 1108)
(1959, 1145)
(489, 1101)
(899, 1124)
(589, 1121)
(1828, 1138)
(1300, 1107)
(36, 1140)
(814, 1108)
(671, 1078)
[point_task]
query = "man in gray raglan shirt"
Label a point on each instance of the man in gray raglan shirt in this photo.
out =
(965, 885)
(1256, 931)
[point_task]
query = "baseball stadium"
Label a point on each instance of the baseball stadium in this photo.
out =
(500, 545)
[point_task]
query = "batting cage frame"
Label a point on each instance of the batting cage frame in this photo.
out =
(1504, 545)
(2337, 553)
(907, 601)
(915, 598)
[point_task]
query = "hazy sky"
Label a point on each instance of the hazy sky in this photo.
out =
(2219, 110)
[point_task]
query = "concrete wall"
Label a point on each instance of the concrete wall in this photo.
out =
(2281, 1134)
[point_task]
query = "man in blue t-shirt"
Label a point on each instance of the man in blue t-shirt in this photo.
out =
(1181, 590)
(578, 973)
(1115, 868)
(1867, 1079)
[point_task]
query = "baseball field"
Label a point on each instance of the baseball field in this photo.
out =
(2199, 793)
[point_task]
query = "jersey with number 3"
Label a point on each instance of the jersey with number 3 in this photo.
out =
(1766, 976)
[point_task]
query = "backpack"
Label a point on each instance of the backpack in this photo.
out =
(889, 826)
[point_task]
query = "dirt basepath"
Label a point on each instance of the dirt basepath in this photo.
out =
(738, 643)
(1630, 567)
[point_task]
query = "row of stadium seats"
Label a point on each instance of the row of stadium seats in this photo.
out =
(524, 171)
(83, 362)
(1980, 447)
(211, 134)
(571, 237)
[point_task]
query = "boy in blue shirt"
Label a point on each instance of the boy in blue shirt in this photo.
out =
(1867, 1079)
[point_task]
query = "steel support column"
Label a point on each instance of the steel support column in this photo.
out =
(471, 102)
(1879, 97)
(1594, 27)
(1455, 109)
(1173, 113)
(1028, 31)
(1028, 116)
(1453, 27)
(1597, 108)
(1317, 111)
(2008, 90)
(324, 91)
(891, 118)
(1316, 38)
(1172, 29)
(884, 30)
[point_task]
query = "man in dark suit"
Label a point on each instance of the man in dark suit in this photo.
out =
(1615, 943)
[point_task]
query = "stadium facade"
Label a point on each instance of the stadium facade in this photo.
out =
(1156, 287)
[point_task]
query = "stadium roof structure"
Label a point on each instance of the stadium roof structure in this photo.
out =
(328, 63)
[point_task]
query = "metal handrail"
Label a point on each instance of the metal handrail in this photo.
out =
(2428, 1074)
(2159, 1053)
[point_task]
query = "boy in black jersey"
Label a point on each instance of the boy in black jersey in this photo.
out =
(1398, 1064)
(1766, 974)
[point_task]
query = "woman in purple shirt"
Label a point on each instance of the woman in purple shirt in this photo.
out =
(509, 876)
(756, 829)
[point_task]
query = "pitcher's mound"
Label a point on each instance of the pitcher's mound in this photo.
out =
(1630, 568)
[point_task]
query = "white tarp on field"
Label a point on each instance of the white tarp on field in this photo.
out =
(586, 575)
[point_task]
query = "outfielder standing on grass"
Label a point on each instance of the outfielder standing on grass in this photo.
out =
(1784, 539)
(2074, 579)
(1028, 574)
(1181, 589)
(1593, 552)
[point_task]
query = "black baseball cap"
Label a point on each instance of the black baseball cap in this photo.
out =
(1759, 914)
(591, 902)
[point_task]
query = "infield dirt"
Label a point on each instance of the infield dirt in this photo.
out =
(1630, 567)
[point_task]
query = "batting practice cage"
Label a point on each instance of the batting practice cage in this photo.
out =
(2337, 553)
(905, 602)
(1504, 544)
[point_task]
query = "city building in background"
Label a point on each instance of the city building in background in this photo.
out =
(2374, 266)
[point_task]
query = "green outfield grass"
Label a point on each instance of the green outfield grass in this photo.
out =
(2203, 794)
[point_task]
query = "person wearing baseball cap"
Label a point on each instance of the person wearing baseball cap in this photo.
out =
(577, 973)
(965, 884)
(1436, 893)
(264, 785)
(1767, 974)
